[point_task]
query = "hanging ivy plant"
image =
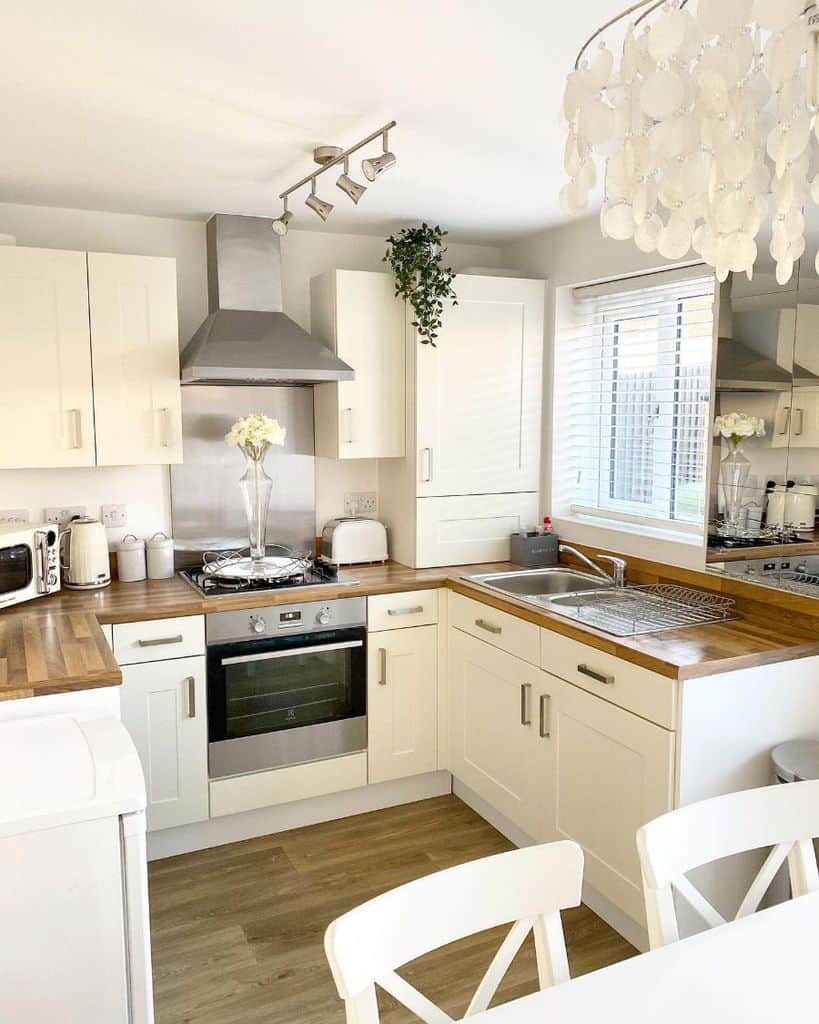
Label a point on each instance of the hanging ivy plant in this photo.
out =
(416, 257)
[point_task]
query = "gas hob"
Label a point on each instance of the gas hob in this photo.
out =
(231, 572)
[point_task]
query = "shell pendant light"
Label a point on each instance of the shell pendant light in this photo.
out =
(706, 129)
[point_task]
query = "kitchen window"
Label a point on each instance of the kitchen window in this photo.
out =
(632, 391)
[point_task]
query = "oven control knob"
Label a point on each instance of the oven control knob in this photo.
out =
(257, 624)
(323, 617)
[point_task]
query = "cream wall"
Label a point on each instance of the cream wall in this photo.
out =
(576, 253)
(145, 490)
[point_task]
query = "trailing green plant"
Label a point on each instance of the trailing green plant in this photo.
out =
(416, 257)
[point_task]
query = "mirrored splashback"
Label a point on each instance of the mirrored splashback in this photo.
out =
(765, 467)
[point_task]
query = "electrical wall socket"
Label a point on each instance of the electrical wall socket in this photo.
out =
(15, 515)
(360, 503)
(114, 515)
(63, 514)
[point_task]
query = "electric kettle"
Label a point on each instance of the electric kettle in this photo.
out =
(84, 555)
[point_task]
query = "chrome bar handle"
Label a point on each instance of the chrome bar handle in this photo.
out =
(415, 610)
(489, 627)
(347, 417)
(545, 715)
(801, 414)
(525, 689)
(382, 666)
(160, 640)
(598, 677)
(191, 681)
(426, 457)
(787, 422)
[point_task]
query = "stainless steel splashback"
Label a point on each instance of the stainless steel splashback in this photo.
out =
(208, 513)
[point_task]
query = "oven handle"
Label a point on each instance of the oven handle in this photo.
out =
(267, 655)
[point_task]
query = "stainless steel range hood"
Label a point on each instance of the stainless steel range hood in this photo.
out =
(247, 339)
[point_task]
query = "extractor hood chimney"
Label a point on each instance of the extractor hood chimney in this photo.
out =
(247, 339)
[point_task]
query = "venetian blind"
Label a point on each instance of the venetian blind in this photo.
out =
(632, 387)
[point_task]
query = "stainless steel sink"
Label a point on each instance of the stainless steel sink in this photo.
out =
(540, 583)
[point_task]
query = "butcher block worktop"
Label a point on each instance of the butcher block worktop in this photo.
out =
(55, 644)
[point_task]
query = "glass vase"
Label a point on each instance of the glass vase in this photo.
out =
(733, 474)
(257, 488)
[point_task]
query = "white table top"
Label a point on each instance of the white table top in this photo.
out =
(762, 968)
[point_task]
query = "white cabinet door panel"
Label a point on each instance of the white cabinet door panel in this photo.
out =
(614, 773)
(135, 345)
(479, 391)
(356, 314)
(494, 720)
(46, 411)
(401, 702)
(466, 529)
(164, 708)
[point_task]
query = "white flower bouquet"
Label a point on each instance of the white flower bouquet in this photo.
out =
(736, 426)
(255, 433)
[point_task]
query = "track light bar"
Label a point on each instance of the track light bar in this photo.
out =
(330, 156)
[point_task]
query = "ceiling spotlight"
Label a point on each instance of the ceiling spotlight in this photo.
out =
(348, 186)
(281, 224)
(377, 165)
(318, 205)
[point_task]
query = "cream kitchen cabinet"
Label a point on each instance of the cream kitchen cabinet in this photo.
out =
(402, 695)
(614, 771)
(470, 476)
(164, 709)
(478, 391)
(356, 314)
(135, 350)
(90, 341)
(501, 745)
(46, 412)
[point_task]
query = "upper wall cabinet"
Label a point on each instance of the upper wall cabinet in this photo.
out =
(356, 314)
(89, 350)
(135, 347)
(46, 408)
(479, 390)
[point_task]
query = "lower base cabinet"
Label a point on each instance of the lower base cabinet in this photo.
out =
(164, 710)
(500, 742)
(614, 772)
(402, 695)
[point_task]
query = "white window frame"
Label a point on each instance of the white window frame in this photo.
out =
(631, 515)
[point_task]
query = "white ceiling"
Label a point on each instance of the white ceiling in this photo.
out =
(186, 107)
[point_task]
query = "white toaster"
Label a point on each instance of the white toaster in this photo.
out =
(351, 541)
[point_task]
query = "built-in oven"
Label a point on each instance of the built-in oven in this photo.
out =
(287, 684)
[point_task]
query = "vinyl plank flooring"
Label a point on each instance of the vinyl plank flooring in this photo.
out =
(238, 930)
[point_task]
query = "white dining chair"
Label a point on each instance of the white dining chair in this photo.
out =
(528, 887)
(783, 817)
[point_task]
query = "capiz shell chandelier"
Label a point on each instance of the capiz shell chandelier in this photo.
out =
(706, 130)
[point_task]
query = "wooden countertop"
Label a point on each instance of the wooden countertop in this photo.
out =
(55, 644)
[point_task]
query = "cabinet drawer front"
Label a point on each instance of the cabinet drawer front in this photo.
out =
(159, 639)
(629, 686)
(396, 611)
(498, 628)
(284, 785)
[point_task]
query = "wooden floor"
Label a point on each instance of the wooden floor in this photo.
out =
(237, 930)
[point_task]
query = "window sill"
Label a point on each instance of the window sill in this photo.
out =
(615, 526)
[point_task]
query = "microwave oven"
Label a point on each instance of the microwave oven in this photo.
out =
(29, 562)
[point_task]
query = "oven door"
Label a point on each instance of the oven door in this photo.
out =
(286, 700)
(16, 573)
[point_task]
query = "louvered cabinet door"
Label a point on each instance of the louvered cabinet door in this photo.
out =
(46, 409)
(135, 347)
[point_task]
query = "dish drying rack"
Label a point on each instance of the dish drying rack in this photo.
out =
(631, 611)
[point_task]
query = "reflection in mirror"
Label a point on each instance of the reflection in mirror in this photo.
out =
(762, 520)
